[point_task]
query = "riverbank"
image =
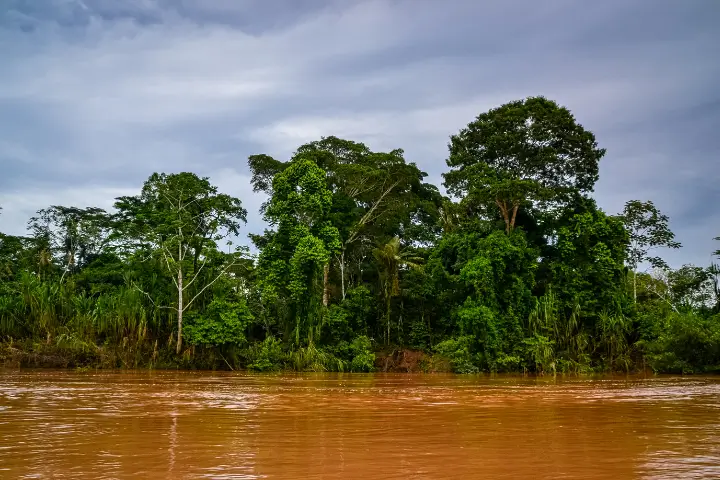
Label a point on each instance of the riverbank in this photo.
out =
(49, 354)
(83, 356)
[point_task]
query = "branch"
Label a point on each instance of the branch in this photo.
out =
(661, 296)
(197, 273)
(167, 196)
(664, 298)
(356, 189)
(167, 262)
(183, 246)
(150, 298)
(368, 215)
(231, 264)
(226, 362)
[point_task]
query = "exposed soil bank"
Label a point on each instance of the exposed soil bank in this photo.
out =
(28, 354)
(48, 355)
(403, 360)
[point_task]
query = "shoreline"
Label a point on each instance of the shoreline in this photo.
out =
(482, 376)
(109, 360)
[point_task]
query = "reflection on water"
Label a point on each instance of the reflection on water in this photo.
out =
(233, 426)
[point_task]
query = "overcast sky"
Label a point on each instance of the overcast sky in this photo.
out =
(95, 95)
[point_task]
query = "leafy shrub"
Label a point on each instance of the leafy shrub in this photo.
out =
(458, 352)
(222, 323)
(363, 358)
(265, 356)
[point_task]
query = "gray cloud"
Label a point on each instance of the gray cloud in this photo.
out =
(96, 95)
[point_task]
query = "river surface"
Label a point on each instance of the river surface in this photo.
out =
(63, 424)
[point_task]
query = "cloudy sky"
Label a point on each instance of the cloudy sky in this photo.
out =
(95, 95)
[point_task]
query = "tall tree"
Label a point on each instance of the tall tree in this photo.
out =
(375, 195)
(648, 229)
(524, 151)
(176, 217)
(294, 256)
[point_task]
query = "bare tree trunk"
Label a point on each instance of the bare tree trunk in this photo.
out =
(326, 284)
(342, 273)
(180, 310)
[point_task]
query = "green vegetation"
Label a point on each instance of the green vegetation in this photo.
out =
(366, 266)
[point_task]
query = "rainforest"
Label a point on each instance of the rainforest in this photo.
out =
(508, 266)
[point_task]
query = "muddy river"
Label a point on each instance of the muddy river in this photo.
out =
(64, 424)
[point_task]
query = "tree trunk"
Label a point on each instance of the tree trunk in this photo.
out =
(514, 215)
(502, 205)
(180, 310)
(634, 286)
(400, 320)
(342, 273)
(326, 284)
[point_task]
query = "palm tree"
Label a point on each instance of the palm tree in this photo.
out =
(391, 258)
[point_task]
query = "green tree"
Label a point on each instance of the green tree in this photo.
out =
(176, 217)
(222, 323)
(375, 196)
(15, 256)
(648, 229)
(501, 275)
(587, 262)
(73, 236)
(691, 287)
(294, 256)
(524, 151)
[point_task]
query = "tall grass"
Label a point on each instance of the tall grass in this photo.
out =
(47, 309)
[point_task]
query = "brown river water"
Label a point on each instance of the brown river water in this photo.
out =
(63, 424)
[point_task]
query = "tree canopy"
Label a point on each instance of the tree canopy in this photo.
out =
(524, 151)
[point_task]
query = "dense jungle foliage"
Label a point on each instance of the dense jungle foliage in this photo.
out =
(518, 270)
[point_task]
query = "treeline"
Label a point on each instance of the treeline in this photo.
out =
(519, 270)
